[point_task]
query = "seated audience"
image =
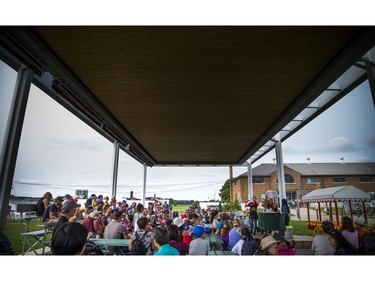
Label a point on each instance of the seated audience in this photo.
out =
(145, 236)
(52, 212)
(161, 240)
(69, 239)
(199, 246)
(321, 244)
(175, 240)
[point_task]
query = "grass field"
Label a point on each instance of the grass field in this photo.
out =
(13, 230)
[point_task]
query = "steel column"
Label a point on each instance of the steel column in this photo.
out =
(115, 167)
(144, 183)
(280, 170)
(12, 138)
(250, 180)
(371, 79)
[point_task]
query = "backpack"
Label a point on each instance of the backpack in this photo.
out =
(138, 248)
(248, 248)
(92, 249)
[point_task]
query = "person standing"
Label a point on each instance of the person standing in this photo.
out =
(285, 211)
(253, 215)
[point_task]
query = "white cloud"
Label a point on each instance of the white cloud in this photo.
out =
(341, 144)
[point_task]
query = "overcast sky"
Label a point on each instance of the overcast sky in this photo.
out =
(60, 153)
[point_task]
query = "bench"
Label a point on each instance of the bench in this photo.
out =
(220, 253)
(107, 243)
(215, 241)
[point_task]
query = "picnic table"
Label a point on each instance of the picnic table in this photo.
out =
(215, 241)
(120, 244)
(220, 253)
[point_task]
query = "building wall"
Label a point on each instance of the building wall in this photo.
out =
(240, 190)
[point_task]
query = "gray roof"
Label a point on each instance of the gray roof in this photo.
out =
(339, 193)
(317, 169)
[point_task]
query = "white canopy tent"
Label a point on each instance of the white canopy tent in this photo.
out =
(340, 194)
(348, 193)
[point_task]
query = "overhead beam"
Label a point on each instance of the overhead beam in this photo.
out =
(349, 55)
(41, 58)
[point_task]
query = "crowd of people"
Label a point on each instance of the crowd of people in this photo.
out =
(155, 230)
(348, 239)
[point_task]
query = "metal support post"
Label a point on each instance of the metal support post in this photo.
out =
(144, 184)
(12, 138)
(280, 170)
(371, 79)
(115, 167)
(250, 180)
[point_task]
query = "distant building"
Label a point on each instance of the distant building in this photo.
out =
(301, 178)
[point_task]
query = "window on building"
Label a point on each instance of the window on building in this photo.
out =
(258, 180)
(366, 180)
(288, 179)
(235, 183)
(313, 181)
(339, 180)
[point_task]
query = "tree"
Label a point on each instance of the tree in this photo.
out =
(232, 206)
(225, 192)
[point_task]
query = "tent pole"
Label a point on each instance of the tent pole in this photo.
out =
(330, 211)
(319, 212)
(308, 212)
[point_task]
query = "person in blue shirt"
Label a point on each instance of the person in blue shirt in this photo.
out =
(161, 241)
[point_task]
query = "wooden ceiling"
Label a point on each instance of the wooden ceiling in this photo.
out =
(198, 95)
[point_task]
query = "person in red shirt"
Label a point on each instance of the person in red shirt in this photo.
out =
(253, 215)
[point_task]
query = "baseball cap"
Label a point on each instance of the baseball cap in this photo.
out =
(198, 231)
(68, 205)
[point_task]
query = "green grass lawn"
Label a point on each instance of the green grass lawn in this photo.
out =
(300, 228)
(180, 208)
(13, 230)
